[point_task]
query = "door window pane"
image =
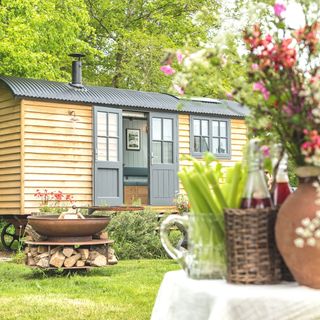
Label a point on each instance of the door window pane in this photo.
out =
(167, 130)
(167, 152)
(215, 128)
(113, 125)
(102, 124)
(156, 129)
(223, 146)
(204, 144)
(102, 149)
(204, 128)
(196, 146)
(196, 127)
(223, 129)
(215, 145)
(156, 152)
(113, 149)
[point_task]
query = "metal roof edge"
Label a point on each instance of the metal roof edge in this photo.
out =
(22, 89)
(244, 112)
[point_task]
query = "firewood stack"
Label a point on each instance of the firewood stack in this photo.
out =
(68, 257)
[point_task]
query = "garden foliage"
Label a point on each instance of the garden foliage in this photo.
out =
(136, 235)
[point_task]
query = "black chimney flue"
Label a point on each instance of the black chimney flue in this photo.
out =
(77, 70)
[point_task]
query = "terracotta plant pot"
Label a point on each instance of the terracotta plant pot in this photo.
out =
(303, 262)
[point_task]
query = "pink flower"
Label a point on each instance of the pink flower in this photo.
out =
(259, 86)
(288, 110)
(279, 8)
(229, 95)
(178, 89)
(167, 69)
(269, 38)
(265, 151)
(179, 56)
(255, 66)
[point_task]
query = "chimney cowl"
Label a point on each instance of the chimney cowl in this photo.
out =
(77, 70)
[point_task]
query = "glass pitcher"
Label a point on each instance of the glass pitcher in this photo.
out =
(205, 257)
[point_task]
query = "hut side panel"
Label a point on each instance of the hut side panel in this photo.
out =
(58, 151)
(238, 141)
(10, 149)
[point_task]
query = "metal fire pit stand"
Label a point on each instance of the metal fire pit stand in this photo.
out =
(86, 244)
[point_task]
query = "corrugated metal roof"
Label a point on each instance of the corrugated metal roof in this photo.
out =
(58, 91)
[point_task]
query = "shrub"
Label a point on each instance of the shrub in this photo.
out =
(136, 236)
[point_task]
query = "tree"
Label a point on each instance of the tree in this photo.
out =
(217, 68)
(37, 36)
(133, 35)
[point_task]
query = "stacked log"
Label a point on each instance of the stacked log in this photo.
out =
(68, 256)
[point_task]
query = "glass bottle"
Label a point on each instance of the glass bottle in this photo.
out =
(256, 193)
(282, 188)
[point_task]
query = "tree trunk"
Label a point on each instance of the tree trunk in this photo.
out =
(117, 76)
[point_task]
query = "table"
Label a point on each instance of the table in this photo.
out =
(181, 298)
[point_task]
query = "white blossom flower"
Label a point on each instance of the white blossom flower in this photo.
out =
(311, 226)
(318, 213)
(300, 231)
(307, 233)
(316, 184)
(311, 242)
(299, 243)
(317, 233)
(305, 222)
(316, 221)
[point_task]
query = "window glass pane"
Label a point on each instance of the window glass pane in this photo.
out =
(205, 128)
(167, 129)
(196, 127)
(204, 144)
(223, 129)
(113, 149)
(167, 152)
(215, 128)
(215, 145)
(223, 146)
(156, 152)
(102, 149)
(102, 124)
(113, 125)
(156, 129)
(196, 145)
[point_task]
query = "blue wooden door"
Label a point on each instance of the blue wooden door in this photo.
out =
(108, 176)
(163, 158)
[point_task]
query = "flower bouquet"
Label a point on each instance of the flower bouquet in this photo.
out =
(283, 93)
(283, 88)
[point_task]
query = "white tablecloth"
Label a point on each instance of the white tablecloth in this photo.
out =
(181, 298)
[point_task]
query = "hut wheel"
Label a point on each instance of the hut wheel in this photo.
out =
(9, 236)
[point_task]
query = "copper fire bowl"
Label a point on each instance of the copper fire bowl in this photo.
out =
(71, 229)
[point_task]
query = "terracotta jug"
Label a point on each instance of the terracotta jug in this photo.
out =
(302, 259)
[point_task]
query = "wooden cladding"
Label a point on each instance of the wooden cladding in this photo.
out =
(41, 148)
(10, 150)
(57, 151)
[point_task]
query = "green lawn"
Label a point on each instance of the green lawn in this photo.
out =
(125, 291)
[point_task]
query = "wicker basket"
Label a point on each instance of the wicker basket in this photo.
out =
(252, 255)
